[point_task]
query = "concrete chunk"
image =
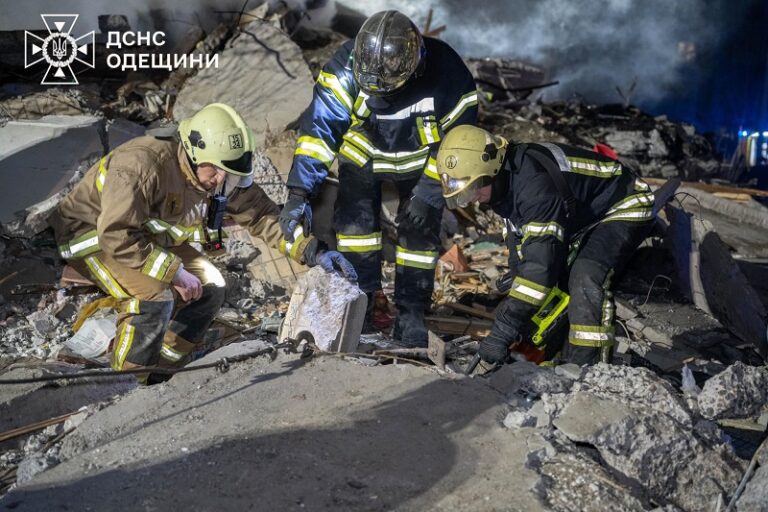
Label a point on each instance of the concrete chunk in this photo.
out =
(739, 391)
(329, 307)
(262, 75)
(585, 415)
(39, 157)
(22, 404)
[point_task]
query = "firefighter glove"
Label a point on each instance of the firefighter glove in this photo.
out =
(332, 260)
(495, 347)
(296, 211)
(418, 213)
(317, 253)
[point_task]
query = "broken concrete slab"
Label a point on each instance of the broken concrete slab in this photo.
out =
(528, 380)
(261, 74)
(740, 391)
(753, 214)
(755, 497)
(585, 415)
(329, 307)
(645, 433)
(673, 464)
(730, 296)
(39, 157)
(384, 438)
(710, 277)
(23, 404)
(572, 481)
(266, 176)
(637, 388)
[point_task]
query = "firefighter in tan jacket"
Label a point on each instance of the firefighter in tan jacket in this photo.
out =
(129, 221)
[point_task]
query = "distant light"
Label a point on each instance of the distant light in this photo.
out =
(765, 134)
(755, 134)
(743, 133)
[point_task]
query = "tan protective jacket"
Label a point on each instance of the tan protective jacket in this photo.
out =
(142, 198)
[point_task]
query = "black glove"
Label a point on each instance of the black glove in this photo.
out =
(296, 210)
(494, 350)
(317, 253)
(418, 213)
(495, 347)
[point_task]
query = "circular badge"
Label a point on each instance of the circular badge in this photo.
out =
(451, 162)
(59, 49)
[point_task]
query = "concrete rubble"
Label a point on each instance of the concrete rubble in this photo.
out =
(653, 432)
(633, 429)
(738, 392)
(273, 94)
(328, 307)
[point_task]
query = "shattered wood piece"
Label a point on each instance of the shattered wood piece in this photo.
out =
(461, 276)
(734, 196)
(436, 350)
(454, 259)
(461, 308)
(459, 326)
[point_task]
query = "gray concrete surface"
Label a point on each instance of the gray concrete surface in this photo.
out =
(39, 157)
(262, 74)
(293, 435)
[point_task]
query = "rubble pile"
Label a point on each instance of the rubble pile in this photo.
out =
(647, 432)
(654, 146)
(630, 430)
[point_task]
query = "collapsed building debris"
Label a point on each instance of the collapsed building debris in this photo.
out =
(631, 437)
(261, 74)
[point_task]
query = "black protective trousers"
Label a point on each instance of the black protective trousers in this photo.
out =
(603, 253)
(358, 235)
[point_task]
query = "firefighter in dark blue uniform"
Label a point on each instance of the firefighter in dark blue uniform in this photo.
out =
(553, 197)
(381, 106)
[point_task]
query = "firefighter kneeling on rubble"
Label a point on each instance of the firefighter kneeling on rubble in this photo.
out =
(129, 221)
(551, 196)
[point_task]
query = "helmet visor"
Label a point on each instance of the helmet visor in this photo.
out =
(388, 50)
(242, 166)
(460, 192)
(376, 84)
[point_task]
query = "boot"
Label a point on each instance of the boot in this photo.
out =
(410, 328)
(368, 327)
(377, 315)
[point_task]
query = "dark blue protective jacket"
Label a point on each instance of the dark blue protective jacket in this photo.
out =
(543, 229)
(394, 136)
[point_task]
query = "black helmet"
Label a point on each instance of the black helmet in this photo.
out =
(388, 50)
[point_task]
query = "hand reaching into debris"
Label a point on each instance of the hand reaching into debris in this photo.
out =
(188, 285)
(494, 350)
(331, 260)
(317, 253)
(296, 210)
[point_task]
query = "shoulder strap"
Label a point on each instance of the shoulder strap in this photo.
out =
(545, 159)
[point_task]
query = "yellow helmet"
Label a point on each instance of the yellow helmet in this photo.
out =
(468, 158)
(218, 135)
